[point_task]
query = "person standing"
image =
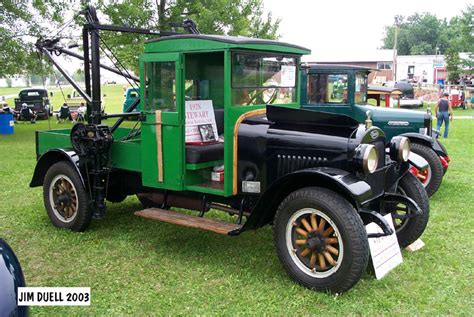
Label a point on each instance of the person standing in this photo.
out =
(444, 113)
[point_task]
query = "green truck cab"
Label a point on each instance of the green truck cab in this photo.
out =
(320, 84)
(318, 178)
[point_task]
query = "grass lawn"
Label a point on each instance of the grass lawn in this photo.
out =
(113, 99)
(142, 267)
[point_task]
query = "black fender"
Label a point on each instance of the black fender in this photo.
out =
(11, 277)
(355, 190)
(417, 161)
(51, 157)
(427, 140)
(419, 138)
(439, 148)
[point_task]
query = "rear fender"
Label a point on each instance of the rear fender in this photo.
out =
(355, 190)
(51, 157)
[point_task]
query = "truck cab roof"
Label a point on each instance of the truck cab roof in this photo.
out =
(199, 42)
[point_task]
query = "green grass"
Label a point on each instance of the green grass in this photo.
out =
(143, 267)
(113, 100)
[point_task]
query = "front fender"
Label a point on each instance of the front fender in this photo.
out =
(355, 190)
(439, 148)
(51, 157)
(417, 161)
(419, 138)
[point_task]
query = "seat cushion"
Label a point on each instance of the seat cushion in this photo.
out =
(204, 153)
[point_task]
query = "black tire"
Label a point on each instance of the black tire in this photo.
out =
(435, 168)
(59, 176)
(410, 229)
(323, 203)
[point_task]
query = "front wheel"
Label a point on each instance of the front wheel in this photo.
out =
(432, 177)
(65, 198)
(321, 240)
(409, 229)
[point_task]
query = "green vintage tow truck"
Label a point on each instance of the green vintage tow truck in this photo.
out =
(318, 178)
(318, 87)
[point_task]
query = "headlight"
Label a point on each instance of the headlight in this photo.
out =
(399, 148)
(367, 157)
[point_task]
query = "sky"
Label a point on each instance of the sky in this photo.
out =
(335, 30)
(332, 29)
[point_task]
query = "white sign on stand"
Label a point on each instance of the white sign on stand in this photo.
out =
(385, 251)
(199, 113)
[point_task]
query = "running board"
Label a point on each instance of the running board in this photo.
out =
(217, 226)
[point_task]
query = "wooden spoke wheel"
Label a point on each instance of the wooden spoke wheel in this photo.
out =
(63, 198)
(315, 242)
(423, 176)
(320, 239)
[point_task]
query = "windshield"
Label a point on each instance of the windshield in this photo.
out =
(361, 88)
(263, 79)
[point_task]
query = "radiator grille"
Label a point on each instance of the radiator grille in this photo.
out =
(290, 163)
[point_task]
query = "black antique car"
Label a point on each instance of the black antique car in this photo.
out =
(37, 100)
(318, 178)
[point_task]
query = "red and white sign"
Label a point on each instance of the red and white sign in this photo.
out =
(199, 112)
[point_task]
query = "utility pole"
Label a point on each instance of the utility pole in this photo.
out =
(394, 62)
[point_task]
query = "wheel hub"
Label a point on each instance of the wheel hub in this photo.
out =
(316, 241)
(63, 198)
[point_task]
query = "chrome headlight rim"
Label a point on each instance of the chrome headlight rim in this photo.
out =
(400, 148)
(370, 160)
(404, 149)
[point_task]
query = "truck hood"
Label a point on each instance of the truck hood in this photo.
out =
(380, 114)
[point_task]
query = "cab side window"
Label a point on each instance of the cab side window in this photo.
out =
(160, 93)
(327, 88)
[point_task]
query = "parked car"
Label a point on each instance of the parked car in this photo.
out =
(37, 100)
(317, 177)
(11, 277)
(415, 125)
(408, 99)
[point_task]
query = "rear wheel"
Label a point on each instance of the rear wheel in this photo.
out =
(409, 229)
(321, 240)
(65, 198)
(432, 177)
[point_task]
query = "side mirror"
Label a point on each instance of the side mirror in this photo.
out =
(68, 96)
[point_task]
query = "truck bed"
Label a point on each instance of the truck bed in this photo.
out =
(125, 155)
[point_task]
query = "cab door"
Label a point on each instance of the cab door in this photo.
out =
(161, 88)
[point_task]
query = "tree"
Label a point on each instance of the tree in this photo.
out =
(21, 22)
(231, 17)
(421, 34)
(418, 34)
